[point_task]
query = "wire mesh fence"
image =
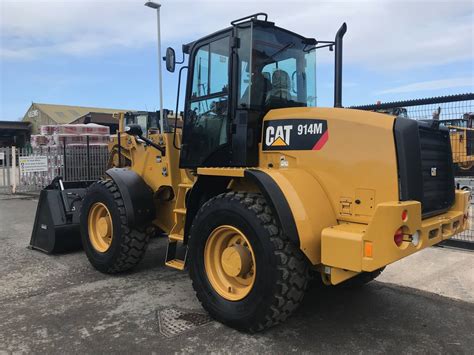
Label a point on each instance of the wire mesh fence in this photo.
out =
(443, 108)
(465, 239)
(29, 170)
(443, 111)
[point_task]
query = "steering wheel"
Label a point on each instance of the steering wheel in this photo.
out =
(199, 117)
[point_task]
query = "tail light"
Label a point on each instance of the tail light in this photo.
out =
(404, 215)
(398, 237)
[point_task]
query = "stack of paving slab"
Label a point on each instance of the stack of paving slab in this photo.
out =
(66, 147)
(54, 136)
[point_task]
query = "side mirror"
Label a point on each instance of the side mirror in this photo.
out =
(170, 59)
(134, 130)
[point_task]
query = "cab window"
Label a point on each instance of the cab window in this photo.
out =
(206, 128)
(211, 66)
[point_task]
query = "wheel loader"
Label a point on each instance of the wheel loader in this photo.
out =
(261, 189)
(462, 143)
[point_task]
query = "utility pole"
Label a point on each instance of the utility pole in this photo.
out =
(156, 6)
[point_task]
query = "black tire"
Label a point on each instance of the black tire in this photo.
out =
(128, 245)
(281, 268)
(362, 279)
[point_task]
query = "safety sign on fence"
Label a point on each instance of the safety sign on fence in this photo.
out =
(33, 164)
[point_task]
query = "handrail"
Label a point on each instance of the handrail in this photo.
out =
(255, 16)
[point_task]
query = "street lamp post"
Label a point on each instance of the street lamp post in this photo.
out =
(156, 6)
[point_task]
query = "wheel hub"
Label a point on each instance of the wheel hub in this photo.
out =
(236, 260)
(103, 227)
(100, 227)
(229, 262)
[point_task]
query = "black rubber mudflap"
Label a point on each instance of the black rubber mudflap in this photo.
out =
(56, 230)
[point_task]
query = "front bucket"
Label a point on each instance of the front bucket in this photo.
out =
(56, 228)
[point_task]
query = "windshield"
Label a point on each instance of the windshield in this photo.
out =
(277, 71)
(146, 120)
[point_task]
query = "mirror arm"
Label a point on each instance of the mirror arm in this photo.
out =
(325, 45)
(182, 60)
(177, 106)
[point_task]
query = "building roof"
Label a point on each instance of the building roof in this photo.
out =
(97, 117)
(15, 125)
(14, 133)
(66, 114)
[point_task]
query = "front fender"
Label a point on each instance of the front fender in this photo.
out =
(310, 210)
(136, 194)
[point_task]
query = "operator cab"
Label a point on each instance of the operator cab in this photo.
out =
(235, 76)
(465, 122)
(149, 121)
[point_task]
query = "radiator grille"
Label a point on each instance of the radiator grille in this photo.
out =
(437, 170)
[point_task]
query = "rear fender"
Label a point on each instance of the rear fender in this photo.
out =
(300, 204)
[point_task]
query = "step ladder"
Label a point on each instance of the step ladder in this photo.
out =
(177, 250)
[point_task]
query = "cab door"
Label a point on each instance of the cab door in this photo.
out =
(206, 130)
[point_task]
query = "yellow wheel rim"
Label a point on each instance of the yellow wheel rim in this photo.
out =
(100, 227)
(230, 263)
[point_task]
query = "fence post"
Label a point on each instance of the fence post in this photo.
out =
(8, 156)
(64, 158)
(88, 160)
(14, 169)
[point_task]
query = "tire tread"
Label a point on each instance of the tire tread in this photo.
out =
(292, 266)
(134, 242)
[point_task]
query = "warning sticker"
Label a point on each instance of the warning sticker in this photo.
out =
(295, 134)
(33, 164)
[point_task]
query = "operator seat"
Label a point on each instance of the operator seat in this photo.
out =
(261, 85)
(281, 85)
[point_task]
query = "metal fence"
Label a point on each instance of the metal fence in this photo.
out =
(444, 108)
(29, 170)
(5, 170)
(465, 239)
(457, 113)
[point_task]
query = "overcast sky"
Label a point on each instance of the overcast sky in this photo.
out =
(103, 53)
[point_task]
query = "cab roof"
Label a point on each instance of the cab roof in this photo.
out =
(187, 47)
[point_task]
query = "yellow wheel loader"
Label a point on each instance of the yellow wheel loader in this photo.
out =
(260, 187)
(462, 143)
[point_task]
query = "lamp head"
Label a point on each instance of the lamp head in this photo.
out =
(152, 5)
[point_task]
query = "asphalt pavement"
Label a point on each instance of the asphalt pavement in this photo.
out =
(60, 304)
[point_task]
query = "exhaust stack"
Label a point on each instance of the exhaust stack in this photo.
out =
(338, 66)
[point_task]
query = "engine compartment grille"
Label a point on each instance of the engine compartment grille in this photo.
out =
(437, 169)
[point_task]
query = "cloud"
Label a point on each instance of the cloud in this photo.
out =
(431, 85)
(383, 35)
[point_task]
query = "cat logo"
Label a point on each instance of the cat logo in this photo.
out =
(294, 134)
(278, 136)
